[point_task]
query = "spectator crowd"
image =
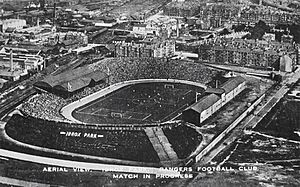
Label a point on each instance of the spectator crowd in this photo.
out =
(123, 69)
(47, 105)
(118, 144)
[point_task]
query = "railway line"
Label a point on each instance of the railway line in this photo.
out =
(9, 104)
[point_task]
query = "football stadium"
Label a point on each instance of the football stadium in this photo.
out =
(122, 111)
(151, 102)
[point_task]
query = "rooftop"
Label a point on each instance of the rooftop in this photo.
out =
(72, 80)
(231, 84)
(204, 103)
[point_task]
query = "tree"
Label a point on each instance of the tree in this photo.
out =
(259, 30)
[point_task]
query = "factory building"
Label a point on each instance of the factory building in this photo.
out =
(16, 62)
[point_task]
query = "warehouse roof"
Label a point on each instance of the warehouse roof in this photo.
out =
(204, 103)
(232, 83)
(215, 90)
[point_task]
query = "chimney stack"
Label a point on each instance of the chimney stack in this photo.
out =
(11, 61)
(177, 27)
(38, 22)
(54, 13)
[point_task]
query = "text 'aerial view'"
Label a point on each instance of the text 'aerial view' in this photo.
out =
(149, 93)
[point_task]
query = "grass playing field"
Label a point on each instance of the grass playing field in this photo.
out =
(139, 103)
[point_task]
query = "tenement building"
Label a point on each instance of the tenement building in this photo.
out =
(182, 9)
(269, 15)
(217, 15)
(248, 53)
(147, 47)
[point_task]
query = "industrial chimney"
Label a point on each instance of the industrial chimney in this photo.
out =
(11, 61)
(54, 13)
(177, 27)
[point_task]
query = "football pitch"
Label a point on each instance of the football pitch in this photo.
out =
(139, 103)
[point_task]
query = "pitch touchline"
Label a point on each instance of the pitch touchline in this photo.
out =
(100, 115)
(103, 97)
(146, 117)
(185, 105)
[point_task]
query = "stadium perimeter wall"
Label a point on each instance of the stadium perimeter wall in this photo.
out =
(67, 110)
(86, 165)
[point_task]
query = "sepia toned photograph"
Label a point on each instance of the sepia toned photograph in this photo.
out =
(149, 93)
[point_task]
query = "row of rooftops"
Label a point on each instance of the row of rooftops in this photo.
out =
(220, 9)
(250, 45)
(245, 50)
(267, 10)
(185, 5)
(142, 40)
(233, 11)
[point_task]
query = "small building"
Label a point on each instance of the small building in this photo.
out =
(287, 38)
(286, 64)
(95, 48)
(2, 82)
(12, 23)
(161, 25)
(15, 75)
(269, 36)
(105, 21)
(146, 29)
(139, 29)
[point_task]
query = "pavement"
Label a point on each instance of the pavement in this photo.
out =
(161, 145)
(261, 112)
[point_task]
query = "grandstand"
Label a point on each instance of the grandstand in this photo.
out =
(73, 81)
(216, 98)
